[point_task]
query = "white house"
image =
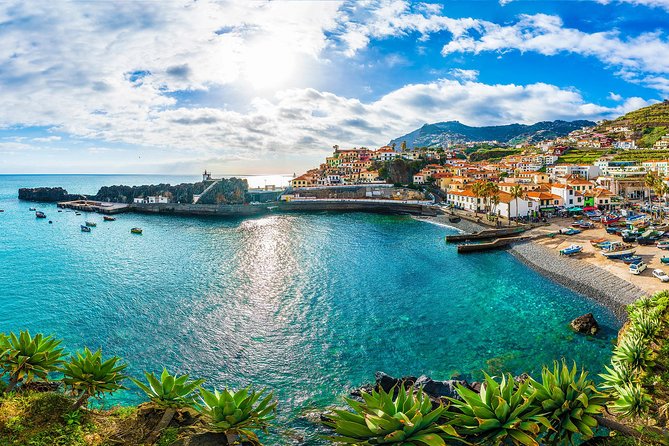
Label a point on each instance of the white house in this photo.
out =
(465, 199)
(151, 199)
(507, 206)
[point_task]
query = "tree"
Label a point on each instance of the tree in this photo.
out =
(650, 180)
(478, 190)
(516, 192)
(404, 146)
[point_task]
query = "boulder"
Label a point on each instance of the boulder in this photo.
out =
(585, 324)
(440, 389)
(387, 382)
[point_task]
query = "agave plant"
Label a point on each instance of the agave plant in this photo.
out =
(619, 374)
(405, 419)
(87, 374)
(25, 357)
(500, 413)
(237, 413)
(646, 324)
(632, 402)
(633, 351)
(169, 392)
(569, 403)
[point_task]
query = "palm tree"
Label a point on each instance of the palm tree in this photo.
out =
(478, 190)
(650, 181)
(516, 192)
(492, 191)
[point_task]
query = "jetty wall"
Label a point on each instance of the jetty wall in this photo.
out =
(218, 210)
(381, 207)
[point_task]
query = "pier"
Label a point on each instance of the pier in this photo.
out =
(487, 234)
(95, 206)
(498, 243)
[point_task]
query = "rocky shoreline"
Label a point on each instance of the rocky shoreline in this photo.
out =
(581, 277)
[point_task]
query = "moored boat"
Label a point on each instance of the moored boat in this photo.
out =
(85, 228)
(136, 230)
(108, 218)
(91, 224)
(32, 209)
(40, 214)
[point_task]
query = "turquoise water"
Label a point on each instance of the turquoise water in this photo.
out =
(307, 305)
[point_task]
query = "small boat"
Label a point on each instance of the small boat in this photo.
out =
(573, 249)
(77, 213)
(454, 219)
(597, 241)
(40, 214)
(136, 230)
(85, 228)
(610, 219)
(2, 210)
(664, 244)
(631, 259)
(108, 218)
(618, 250)
(91, 224)
(586, 225)
(571, 231)
(664, 259)
(32, 209)
(50, 222)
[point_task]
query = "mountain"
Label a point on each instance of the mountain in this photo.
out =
(443, 133)
(656, 115)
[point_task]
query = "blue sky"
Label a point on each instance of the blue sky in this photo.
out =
(241, 87)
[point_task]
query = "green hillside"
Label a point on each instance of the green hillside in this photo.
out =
(655, 115)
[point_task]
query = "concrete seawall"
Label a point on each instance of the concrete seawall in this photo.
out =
(219, 210)
(385, 207)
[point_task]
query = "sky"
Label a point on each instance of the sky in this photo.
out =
(267, 87)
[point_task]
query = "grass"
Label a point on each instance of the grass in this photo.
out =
(641, 155)
(580, 156)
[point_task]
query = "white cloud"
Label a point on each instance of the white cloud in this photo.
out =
(465, 75)
(47, 139)
(649, 3)
(615, 97)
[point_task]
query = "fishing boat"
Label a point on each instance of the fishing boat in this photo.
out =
(454, 219)
(664, 244)
(597, 241)
(40, 214)
(631, 259)
(571, 231)
(664, 259)
(618, 250)
(649, 237)
(612, 230)
(573, 249)
(77, 213)
(136, 230)
(91, 224)
(108, 218)
(32, 209)
(610, 219)
(85, 228)
(586, 225)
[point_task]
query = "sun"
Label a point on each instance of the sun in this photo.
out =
(268, 65)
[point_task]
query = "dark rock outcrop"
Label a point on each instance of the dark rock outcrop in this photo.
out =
(585, 324)
(440, 389)
(47, 194)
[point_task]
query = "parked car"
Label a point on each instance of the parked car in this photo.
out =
(661, 275)
(638, 268)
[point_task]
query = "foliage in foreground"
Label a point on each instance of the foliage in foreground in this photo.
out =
(402, 417)
(169, 390)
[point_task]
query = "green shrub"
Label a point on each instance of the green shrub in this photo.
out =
(25, 358)
(381, 418)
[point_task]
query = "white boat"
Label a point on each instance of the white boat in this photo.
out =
(617, 250)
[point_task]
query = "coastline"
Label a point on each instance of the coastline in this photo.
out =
(582, 277)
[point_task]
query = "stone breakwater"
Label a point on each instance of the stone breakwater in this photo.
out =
(579, 276)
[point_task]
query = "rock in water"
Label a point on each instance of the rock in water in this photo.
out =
(585, 324)
(440, 389)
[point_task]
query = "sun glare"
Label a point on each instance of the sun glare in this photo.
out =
(268, 65)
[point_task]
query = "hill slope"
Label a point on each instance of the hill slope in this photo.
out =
(443, 133)
(655, 115)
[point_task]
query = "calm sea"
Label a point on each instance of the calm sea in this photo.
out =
(306, 305)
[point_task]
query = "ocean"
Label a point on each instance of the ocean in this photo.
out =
(307, 305)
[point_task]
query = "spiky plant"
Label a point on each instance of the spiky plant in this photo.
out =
(169, 392)
(619, 374)
(501, 413)
(633, 351)
(569, 403)
(646, 323)
(88, 374)
(238, 413)
(632, 402)
(25, 358)
(403, 416)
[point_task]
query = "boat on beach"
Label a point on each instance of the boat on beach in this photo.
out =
(597, 241)
(571, 250)
(570, 231)
(631, 259)
(664, 244)
(664, 259)
(85, 228)
(618, 250)
(136, 231)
